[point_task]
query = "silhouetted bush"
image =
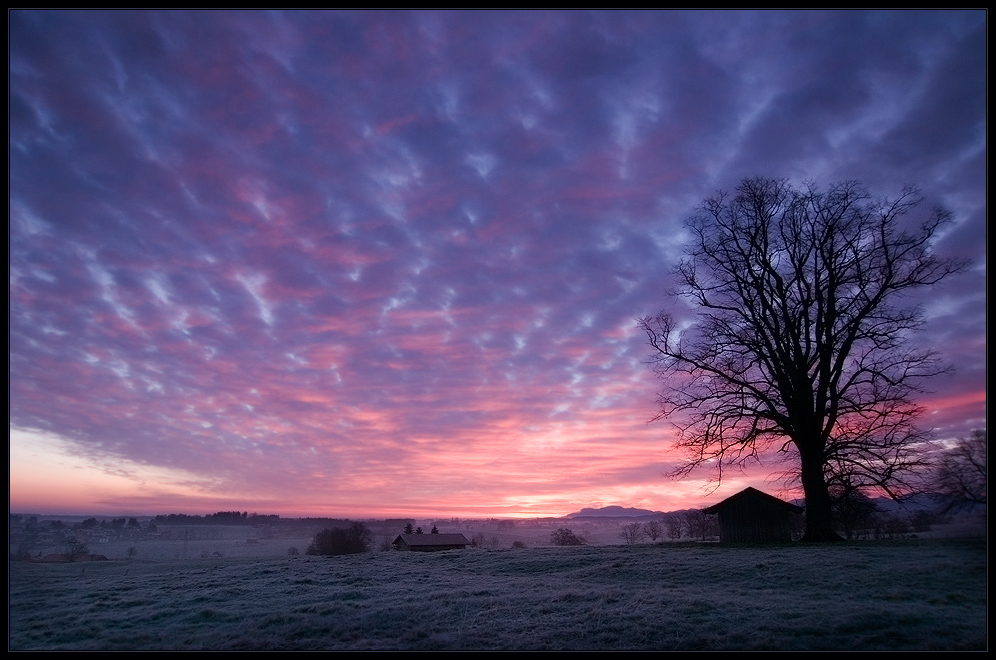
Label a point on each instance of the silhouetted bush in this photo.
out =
(338, 541)
(564, 536)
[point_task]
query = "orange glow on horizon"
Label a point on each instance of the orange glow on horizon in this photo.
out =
(52, 476)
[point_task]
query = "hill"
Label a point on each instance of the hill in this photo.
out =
(614, 512)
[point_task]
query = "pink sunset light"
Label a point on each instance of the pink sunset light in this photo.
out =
(386, 264)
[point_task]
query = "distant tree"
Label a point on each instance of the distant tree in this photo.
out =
(564, 536)
(75, 549)
(418, 530)
(852, 509)
(409, 529)
(293, 551)
(800, 345)
(922, 520)
(654, 530)
(434, 530)
(674, 526)
(695, 523)
(631, 533)
(891, 526)
(341, 541)
(961, 474)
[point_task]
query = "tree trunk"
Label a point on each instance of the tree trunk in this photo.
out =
(819, 516)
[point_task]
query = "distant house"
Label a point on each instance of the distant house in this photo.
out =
(430, 542)
(751, 516)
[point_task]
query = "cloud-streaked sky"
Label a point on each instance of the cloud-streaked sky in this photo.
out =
(389, 263)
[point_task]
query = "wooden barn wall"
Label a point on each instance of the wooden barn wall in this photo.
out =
(746, 522)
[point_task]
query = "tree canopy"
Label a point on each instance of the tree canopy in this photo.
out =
(801, 337)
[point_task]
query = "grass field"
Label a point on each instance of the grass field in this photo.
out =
(898, 595)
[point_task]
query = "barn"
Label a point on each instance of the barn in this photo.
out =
(430, 542)
(751, 516)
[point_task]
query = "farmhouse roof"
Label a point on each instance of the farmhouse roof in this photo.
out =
(430, 540)
(757, 496)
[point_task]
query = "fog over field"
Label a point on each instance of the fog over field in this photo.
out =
(909, 594)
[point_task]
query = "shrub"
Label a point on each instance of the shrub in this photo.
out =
(338, 541)
(564, 536)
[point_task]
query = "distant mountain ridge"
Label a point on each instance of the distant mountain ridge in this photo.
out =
(614, 512)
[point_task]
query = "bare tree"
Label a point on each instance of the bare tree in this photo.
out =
(961, 473)
(800, 343)
(654, 530)
(852, 509)
(674, 526)
(76, 549)
(631, 533)
(697, 524)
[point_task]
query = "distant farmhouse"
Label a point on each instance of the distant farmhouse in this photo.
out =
(430, 542)
(751, 516)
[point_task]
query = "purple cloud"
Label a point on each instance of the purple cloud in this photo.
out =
(303, 258)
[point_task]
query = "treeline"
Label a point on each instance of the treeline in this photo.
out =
(220, 518)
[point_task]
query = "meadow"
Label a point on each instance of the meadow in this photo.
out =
(883, 595)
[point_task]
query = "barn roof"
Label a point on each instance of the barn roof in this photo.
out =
(754, 494)
(429, 540)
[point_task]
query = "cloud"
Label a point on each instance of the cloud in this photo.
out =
(304, 258)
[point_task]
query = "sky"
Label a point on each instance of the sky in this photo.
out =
(390, 263)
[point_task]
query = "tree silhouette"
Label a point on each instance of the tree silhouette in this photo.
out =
(76, 549)
(962, 472)
(852, 509)
(800, 343)
(654, 530)
(631, 533)
(341, 541)
(565, 536)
